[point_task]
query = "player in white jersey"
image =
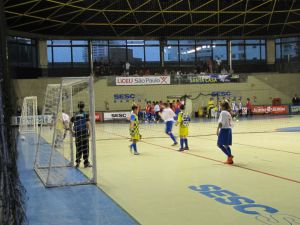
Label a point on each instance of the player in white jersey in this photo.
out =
(224, 132)
(168, 116)
(66, 122)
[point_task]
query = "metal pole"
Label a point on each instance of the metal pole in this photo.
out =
(230, 57)
(91, 57)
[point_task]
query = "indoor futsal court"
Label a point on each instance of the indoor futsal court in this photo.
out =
(154, 112)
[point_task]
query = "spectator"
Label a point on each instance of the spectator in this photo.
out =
(210, 106)
(219, 62)
(249, 107)
(296, 100)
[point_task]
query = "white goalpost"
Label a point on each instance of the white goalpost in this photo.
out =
(28, 121)
(66, 148)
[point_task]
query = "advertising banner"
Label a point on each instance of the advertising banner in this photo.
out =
(295, 109)
(98, 117)
(147, 80)
(210, 79)
(278, 109)
(116, 115)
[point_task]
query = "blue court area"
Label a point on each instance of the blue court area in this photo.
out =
(76, 205)
(289, 129)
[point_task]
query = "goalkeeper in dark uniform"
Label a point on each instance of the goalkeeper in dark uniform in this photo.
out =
(134, 129)
(80, 127)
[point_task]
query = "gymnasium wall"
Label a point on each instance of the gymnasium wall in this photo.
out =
(261, 88)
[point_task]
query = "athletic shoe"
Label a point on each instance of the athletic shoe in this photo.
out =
(176, 143)
(77, 165)
(186, 148)
(87, 165)
(136, 153)
(181, 150)
(229, 160)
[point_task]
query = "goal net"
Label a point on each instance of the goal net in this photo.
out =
(66, 150)
(29, 120)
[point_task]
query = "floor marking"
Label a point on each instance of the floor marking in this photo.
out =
(215, 160)
(234, 165)
(254, 146)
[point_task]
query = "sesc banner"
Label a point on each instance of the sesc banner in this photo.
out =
(148, 80)
(116, 116)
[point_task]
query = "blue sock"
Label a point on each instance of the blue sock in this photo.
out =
(181, 142)
(172, 137)
(134, 147)
(186, 142)
(229, 151)
(223, 149)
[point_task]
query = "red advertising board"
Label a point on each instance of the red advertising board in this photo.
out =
(98, 117)
(275, 109)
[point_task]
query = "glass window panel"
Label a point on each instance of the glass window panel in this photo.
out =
(238, 53)
(252, 41)
(187, 42)
(263, 41)
(172, 42)
(171, 54)
(12, 39)
(152, 54)
(117, 42)
(49, 42)
(290, 39)
(117, 54)
(80, 54)
(219, 42)
(61, 42)
(13, 54)
(277, 40)
(236, 42)
(289, 51)
(135, 54)
(220, 52)
(203, 42)
(151, 42)
(49, 54)
(26, 55)
(203, 53)
(62, 54)
(100, 42)
(100, 53)
(187, 53)
(278, 52)
(263, 52)
(135, 42)
(80, 43)
(24, 40)
(252, 52)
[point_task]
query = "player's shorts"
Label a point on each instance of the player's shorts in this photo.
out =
(136, 137)
(169, 125)
(225, 136)
(183, 131)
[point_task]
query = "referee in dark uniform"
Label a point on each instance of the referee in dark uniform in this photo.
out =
(80, 127)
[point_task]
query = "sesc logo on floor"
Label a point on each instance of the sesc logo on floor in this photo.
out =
(263, 213)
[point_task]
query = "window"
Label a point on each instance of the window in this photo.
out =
(80, 54)
(117, 54)
(62, 54)
(252, 52)
(187, 53)
(152, 53)
(135, 54)
(22, 52)
(220, 52)
(171, 54)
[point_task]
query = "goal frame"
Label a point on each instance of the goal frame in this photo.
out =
(49, 165)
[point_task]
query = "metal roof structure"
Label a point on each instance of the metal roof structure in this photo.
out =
(155, 18)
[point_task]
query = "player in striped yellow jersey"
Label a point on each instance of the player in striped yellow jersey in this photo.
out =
(134, 129)
(183, 122)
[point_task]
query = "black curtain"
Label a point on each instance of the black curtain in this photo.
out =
(12, 193)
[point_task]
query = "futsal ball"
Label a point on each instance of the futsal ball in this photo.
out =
(237, 120)
(23, 138)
